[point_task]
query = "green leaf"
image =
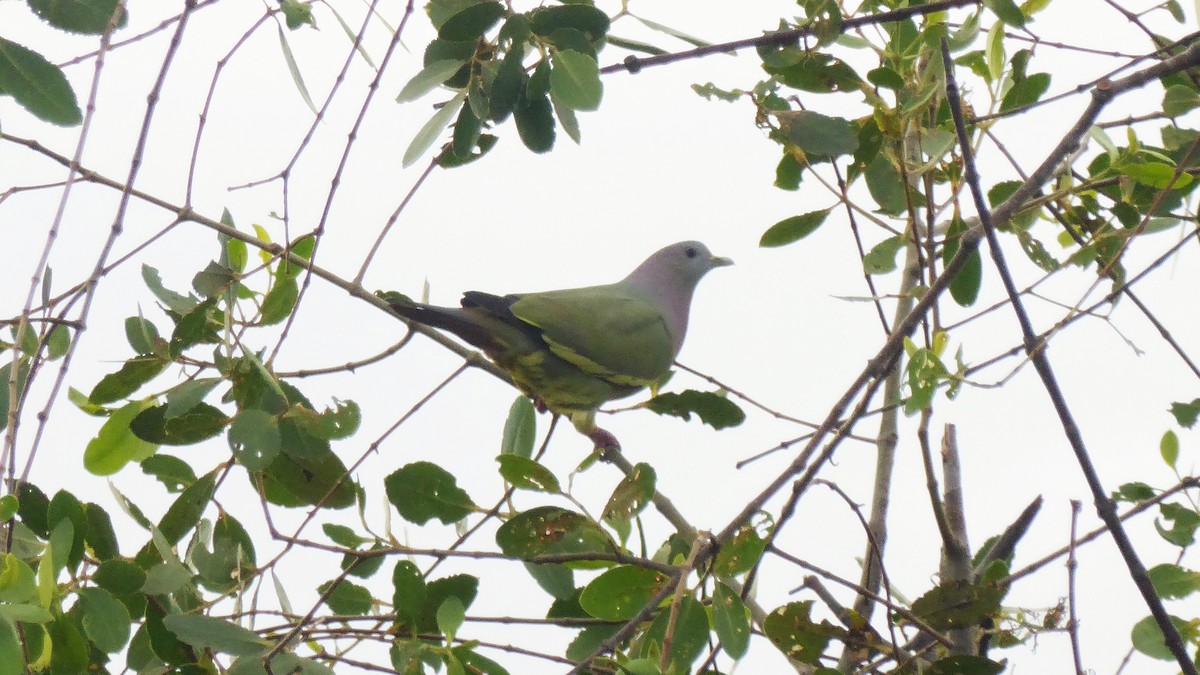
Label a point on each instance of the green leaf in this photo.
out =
(1025, 89)
(527, 474)
(423, 490)
(213, 280)
(575, 79)
(409, 593)
(462, 586)
(793, 229)
(886, 186)
(1133, 492)
(881, 259)
(26, 613)
(101, 537)
(135, 373)
(347, 598)
(1172, 582)
(621, 592)
(295, 481)
(1184, 522)
(209, 632)
(432, 129)
(8, 507)
(588, 641)
(632, 494)
(535, 123)
(5, 375)
(184, 513)
(11, 651)
(507, 88)
(294, 69)
(119, 576)
(89, 17)
(713, 408)
(520, 427)
(788, 173)
(1186, 413)
(184, 396)
(279, 302)
(568, 120)
(330, 424)
(37, 85)
(115, 444)
(143, 336)
(958, 604)
(710, 91)
(33, 507)
(548, 530)
(1168, 447)
(637, 46)
(105, 619)
(429, 78)
(343, 536)
(741, 553)
(175, 302)
(821, 135)
(254, 438)
(994, 54)
(58, 341)
(174, 473)
(166, 646)
(1148, 638)
(196, 327)
(472, 22)
(964, 288)
(467, 129)
(297, 14)
(1007, 11)
(201, 422)
(792, 630)
(1179, 99)
(731, 621)
(557, 580)
(677, 34)
(17, 582)
(924, 372)
(450, 616)
(689, 640)
(64, 506)
(586, 19)
(965, 664)
(1157, 175)
(886, 78)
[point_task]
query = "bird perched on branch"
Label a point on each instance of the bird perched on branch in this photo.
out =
(573, 350)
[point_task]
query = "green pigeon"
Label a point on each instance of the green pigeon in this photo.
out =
(573, 350)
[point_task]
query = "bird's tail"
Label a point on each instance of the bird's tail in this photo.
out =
(452, 319)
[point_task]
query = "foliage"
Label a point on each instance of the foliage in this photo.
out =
(864, 115)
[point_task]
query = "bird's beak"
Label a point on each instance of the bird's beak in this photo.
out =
(718, 261)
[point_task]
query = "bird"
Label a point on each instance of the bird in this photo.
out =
(575, 349)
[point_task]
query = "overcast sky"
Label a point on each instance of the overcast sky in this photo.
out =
(657, 164)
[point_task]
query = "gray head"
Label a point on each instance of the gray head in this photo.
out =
(681, 265)
(669, 277)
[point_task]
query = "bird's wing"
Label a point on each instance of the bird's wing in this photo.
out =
(612, 331)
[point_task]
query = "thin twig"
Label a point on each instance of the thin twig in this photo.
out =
(1041, 363)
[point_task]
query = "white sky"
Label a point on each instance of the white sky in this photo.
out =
(657, 164)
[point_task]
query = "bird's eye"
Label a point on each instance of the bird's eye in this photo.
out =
(691, 252)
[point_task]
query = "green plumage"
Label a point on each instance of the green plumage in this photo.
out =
(573, 350)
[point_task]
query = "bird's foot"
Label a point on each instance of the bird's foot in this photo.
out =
(539, 405)
(604, 440)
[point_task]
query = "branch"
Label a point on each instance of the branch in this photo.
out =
(635, 64)
(1036, 352)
